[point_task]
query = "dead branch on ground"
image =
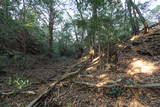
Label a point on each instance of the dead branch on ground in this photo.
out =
(147, 85)
(38, 101)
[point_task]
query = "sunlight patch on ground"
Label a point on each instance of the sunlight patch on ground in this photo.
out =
(133, 103)
(108, 66)
(120, 45)
(96, 62)
(85, 58)
(91, 51)
(103, 54)
(136, 103)
(102, 76)
(101, 83)
(142, 66)
(95, 59)
(135, 37)
(91, 68)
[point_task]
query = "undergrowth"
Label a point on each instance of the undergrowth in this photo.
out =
(19, 82)
(115, 91)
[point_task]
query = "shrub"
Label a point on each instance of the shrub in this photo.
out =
(115, 91)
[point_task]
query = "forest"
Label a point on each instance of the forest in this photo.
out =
(79, 53)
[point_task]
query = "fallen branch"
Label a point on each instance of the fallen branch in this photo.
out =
(152, 31)
(16, 92)
(147, 85)
(35, 103)
(151, 26)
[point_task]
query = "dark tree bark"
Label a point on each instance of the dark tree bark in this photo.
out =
(51, 23)
(145, 24)
(134, 25)
(94, 22)
(132, 7)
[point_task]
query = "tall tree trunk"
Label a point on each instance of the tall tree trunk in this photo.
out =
(136, 22)
(145, 24)
(51, 23)
(81, 15)
(24, 33)
(79, 9)
(132, 20)
(94, 19)
(6, 9)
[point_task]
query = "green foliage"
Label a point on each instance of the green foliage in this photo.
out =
(4, 104)
(19, 82)
(10, 57)
(4, 61)
(156, 9)
(115, 91)
(16, 57)
(69, 105)
(130, 82)
(96, 22)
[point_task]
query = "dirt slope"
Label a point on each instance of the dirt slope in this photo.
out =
(138, 63)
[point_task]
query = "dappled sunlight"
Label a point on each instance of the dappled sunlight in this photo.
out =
(96, 62)
(135, 37)
(103, 54)
(108, 67)
(92, 68)
(91, 51)
(85, 58)
(102, 76)
(120, 45)
(133, 103)
(103, 82)
(119, 103)
(136, 103)
(95, 59)
(142, 66)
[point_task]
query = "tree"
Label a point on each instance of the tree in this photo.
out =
(47, 17)
(133, 9)
(51, 23)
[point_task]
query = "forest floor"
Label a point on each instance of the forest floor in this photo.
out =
(133, 81)
(74, 92)
(41, 72)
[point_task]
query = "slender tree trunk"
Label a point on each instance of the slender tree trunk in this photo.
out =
(51, 23)
(6, 8)
(79, 9)
(145, 24)
(94, 16)
(133, 24)
(81, 15)
(24, 33)
(108, 48)
(136, 22)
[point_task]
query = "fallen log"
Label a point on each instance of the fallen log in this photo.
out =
(147, 85)
(37, 101)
